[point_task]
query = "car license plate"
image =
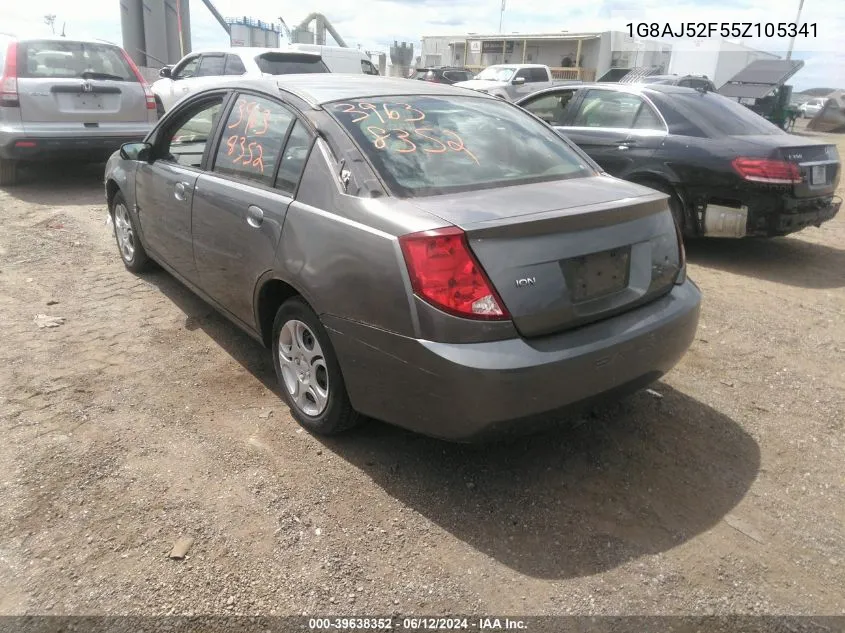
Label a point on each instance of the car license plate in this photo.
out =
(598, 274)
(819, 175)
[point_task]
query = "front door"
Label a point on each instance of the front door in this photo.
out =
(616, 129)
(240, 205)
(164, 188)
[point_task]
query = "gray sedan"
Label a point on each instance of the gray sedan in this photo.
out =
(435, 258)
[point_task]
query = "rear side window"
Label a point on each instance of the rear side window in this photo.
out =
(537, 74)
(211, 66)
(428, 145)
(290, 64)
(252, 139)
(610, 109)
(293, 158)
(72, 60)
(234, 66)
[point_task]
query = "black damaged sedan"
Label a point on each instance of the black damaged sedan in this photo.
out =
(728, 171)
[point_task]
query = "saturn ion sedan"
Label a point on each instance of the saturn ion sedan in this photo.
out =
(417, 253)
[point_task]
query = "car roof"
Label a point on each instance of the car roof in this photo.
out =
(250, 51)
(319, 88)
(58, 39)
(630, 88)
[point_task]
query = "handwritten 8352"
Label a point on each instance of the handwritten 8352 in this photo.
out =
(256, 124)
(380, 135)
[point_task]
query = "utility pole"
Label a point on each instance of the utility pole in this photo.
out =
(502, 14)
(797, 24)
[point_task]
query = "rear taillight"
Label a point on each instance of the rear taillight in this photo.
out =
(9, 80)
(776, 172)
(445, 273)
(151, 100)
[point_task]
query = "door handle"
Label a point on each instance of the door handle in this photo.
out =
(625, 143)
(181, 190)
(254, 216)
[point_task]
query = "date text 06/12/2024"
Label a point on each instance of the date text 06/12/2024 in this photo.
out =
(721, 29)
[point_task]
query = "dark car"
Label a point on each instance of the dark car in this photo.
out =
(422, 254)
(699, 82)
(443, 74)
(728, 171)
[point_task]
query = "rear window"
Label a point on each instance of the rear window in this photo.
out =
(716, 115)
(428, 145)
(290, 64)
(72, 60)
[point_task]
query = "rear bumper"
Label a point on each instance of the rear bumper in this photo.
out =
(786, 222)
(37, 148)
(467, 392)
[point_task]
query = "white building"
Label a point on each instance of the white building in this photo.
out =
(719, 60)
(585, 56)
(588, 56)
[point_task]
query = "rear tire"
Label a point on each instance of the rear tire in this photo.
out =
(129, 245)
(308, 372)
(8, 171)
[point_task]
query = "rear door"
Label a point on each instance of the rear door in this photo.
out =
(164, 188)
(63, 82)
(617, 129)
(240, 204)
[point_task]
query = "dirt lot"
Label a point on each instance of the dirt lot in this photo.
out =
(145, 416)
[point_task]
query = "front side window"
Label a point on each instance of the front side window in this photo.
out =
(187, 69)
(608, 109)
(367, 68)
(211, 66)
(551, 107)
(428, 145)
(184, 143)
(252, 139)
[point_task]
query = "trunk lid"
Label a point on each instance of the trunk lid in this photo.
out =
(77, 82)
(818, 163)
(566, 253)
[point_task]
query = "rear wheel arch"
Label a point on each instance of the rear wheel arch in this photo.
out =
(269, 297)
(661, 183)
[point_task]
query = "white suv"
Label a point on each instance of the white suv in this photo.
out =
(204, 68)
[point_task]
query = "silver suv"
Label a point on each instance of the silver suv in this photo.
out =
(62, 98)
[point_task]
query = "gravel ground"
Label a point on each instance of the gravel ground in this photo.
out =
(145, 417)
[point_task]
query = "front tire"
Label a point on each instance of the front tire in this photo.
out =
(129, 246)
(8, 171)
(308, 372)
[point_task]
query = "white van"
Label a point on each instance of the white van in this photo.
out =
(340, 59)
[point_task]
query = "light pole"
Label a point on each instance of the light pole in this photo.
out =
(502, 15)
(797, 24)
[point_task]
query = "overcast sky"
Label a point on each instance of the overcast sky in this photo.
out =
(374, 24)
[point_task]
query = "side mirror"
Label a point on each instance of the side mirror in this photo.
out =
(518, 81)
(165, 72)
(136, 151)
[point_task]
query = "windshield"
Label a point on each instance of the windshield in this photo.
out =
(496, 73)
(290, 64)
(428, 145)
(718, 116)
(73, 60)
